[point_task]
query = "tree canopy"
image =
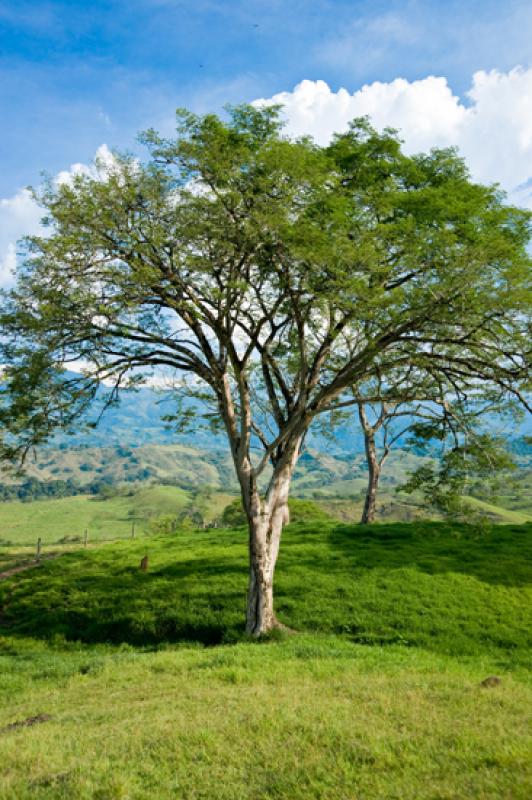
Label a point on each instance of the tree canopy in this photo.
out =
(270, 275)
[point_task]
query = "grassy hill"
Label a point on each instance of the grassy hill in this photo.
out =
(184, 466)
(61, 523)
(332, 479)
(21, 523)
(377, 696)
(498, 513)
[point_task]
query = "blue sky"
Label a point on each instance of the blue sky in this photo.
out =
(76, 74)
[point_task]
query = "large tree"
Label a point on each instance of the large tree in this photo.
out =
(271, 274)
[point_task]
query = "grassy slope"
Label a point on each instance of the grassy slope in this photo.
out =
(23, 522)
(377, 697)
(426, 584)
(52, 520)
(105, 519)
(498, 513)
(307, 718)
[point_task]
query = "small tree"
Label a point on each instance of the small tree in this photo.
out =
(424, 406)
(236, 256)
(470, 454)
(381, 423)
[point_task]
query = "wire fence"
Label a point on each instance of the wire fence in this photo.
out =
(18, 555)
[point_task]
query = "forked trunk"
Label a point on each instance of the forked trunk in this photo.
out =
(265, 528)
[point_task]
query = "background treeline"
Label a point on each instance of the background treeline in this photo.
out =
(33, 489)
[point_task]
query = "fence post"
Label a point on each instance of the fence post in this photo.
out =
(132, 530)
(38, 550)
(85, 537)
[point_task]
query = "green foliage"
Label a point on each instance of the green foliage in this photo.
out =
(164, 523)
(349, 261)
(233, 515)
(301, 510)
(443, 484)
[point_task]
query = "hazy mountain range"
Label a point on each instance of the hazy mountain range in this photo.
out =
(138, 420)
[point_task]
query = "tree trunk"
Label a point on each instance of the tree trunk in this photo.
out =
(266, 523)
(260, 616)
(370, 503)
(373, 462)
(266, 516)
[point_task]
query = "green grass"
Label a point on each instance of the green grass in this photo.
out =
(431, 585)
(498, 513)
(377, 696)
(61, 523)
(22, 523)
(306, 718)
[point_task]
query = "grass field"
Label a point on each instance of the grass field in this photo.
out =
(153, 692)
(498, 513)
(22, 523)
(61, 523)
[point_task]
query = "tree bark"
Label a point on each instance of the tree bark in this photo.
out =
(260, 616)
(266, 522)
(374, 466)
(374, 472)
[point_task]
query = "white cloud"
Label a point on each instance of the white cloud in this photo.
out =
(20, 215)
(103, 164)
(493, 129)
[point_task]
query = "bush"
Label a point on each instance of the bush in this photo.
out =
(165, 523)
(300, 511)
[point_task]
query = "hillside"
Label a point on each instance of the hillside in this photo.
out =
(188, 467)
(378, 695)
(337, 481)
(62, 522)
(138, 419)
(104, 518)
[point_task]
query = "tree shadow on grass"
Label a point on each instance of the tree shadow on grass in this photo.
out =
(200, 600)
(502, 555)
(101, 596)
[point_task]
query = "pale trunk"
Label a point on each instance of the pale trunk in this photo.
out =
(266, 523)
(374, 471)
(266, 517)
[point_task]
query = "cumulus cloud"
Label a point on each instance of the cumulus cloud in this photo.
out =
(492, 127)
(103, 164)
(20, 215)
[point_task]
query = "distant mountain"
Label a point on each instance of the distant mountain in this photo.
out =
(191, 467)
(138, 420)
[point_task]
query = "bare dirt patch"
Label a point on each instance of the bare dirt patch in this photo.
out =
(23, 567)
(26, 723)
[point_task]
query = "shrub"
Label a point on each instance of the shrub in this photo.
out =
(300, 511)
(164, 523)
